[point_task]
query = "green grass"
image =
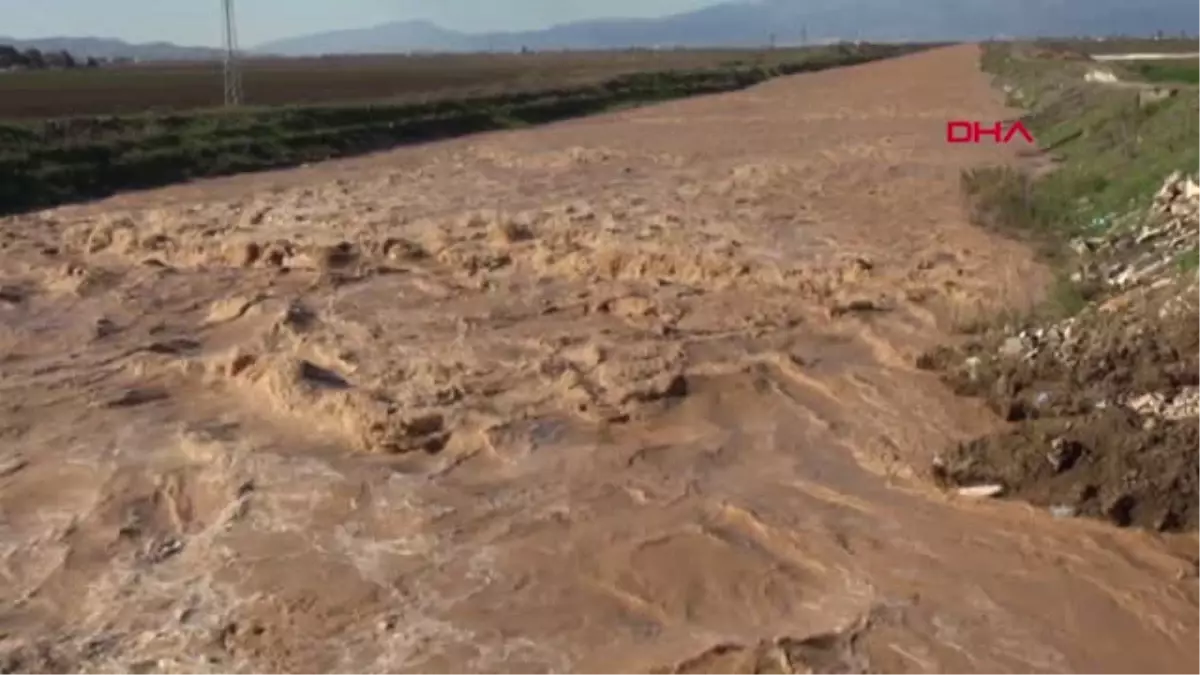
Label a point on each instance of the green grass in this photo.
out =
(54, 161)
(1167, 72)
(1189, 261)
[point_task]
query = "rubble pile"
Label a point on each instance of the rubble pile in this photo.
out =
(1183, 404)
(1135, 258)
(1126, 257)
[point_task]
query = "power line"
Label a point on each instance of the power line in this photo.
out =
(232, 66)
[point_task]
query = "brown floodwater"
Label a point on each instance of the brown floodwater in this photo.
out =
(628, 393)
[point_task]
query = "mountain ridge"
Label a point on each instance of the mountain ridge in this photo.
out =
(757, 23)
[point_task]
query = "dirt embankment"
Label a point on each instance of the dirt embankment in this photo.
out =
(625, 393)
(1105, 402)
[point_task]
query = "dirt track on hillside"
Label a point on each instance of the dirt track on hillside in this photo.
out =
(625, 393)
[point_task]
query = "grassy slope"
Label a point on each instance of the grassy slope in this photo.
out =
(55, 161)
(1112, 152)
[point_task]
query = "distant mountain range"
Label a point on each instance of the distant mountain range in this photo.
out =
(753, 23)
(731, 24)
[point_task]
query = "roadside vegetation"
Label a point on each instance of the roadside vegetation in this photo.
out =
(44, 162)
(1109, 148)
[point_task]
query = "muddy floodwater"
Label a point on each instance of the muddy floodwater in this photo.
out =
(633, 392)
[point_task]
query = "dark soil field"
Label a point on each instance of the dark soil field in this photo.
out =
(348, 79)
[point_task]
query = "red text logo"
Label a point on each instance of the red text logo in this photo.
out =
(969, 131)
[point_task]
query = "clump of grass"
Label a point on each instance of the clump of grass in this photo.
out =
(1068, 297)
(1001, 198)
(1189, 261)
(1009, 200)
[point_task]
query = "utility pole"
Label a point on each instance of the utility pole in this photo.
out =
(233, 67)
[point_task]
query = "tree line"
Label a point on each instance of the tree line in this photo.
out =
(36, 59)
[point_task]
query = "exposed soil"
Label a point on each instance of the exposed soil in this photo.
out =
(626, 393)
(1077, 445)
(1105, 465)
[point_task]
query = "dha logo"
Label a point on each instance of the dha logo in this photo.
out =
(968, 131)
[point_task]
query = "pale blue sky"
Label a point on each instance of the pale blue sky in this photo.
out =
(197, 22)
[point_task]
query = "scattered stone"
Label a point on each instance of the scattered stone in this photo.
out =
(1098, 75)
(1148, 97)
(972, 365)
(1147, 404)
(1081, 246)
(1063, 454)
(403, 249)
(1013, 347)
(164, 549)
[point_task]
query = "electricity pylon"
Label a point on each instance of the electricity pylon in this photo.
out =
(233, 67)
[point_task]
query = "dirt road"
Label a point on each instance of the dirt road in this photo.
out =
(623, 393)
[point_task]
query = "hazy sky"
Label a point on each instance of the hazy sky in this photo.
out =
(197, 22)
